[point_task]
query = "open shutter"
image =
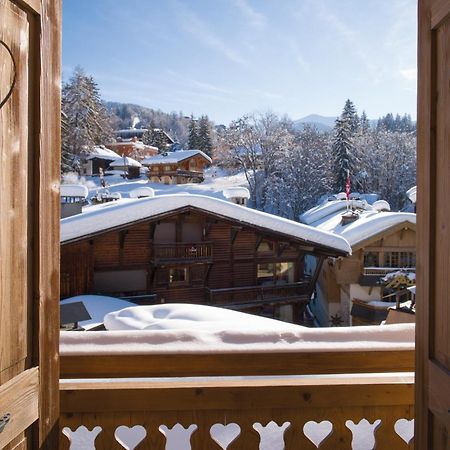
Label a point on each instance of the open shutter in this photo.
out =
(433, 310)
(29, 222)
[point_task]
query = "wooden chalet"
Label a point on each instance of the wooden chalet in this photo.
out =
(184, 166)
(133, 148)
(351, 290)
(98, 160)
(200, 250)
(48, 397)
(125, 166)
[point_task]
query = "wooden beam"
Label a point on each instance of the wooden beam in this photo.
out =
(235, 364)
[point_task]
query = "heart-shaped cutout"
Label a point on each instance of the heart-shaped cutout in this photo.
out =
(224, 435)
(130, 438)
(317, 432)
(9, 64)
(405, 429)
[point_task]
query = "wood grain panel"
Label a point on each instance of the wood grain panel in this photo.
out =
(14, 251)
(19, 397)
(234, 364)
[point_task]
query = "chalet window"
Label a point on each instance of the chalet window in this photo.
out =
(279, 273)
(285, 272)
(265, 247)
(400, 259)
(178, 275)
(119, 281)
(371, 259)
(167, 168)
(266, 273)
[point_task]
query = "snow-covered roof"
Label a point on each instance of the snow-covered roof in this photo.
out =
(101, 152)
(99, 219)
(411, 193)
(373, 224)
(174, 157)
(125, 161)
(73, 190)
(142, 192)
(236, 192)
(329, 208)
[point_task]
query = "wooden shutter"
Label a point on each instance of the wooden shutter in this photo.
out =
(433, 207)
(29, 221)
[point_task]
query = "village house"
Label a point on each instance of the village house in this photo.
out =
(351, 290)
(195, 249)
(133, 148)
(125, 166)
(99, 158)
(184, 166)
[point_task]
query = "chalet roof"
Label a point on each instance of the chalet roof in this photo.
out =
(371, 222)
(125, 161)
(73, 190)
(174, 157)
(101, 152)
(411, 193)
(127, 211)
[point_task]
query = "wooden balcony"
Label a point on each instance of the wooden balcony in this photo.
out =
(269, 409)
(182, 252)
(383, 271)
(259, 295)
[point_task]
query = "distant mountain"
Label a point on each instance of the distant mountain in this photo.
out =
(322, 123)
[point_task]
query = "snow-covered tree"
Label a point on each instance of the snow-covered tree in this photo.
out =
(193, 140)
(343, 153)
(87, 121)
(350, 115)
(204, 136)
(155, 137)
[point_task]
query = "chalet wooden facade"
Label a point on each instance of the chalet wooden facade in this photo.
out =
(195, 256)
(184, 166)
(350, 291)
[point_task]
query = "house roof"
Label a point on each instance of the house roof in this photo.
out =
(106, 217)
(174, 157)
(101, 152)
(125, 161)
(371, 222)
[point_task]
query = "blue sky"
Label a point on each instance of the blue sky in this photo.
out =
(226, 58)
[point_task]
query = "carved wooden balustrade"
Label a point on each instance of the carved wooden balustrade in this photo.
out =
(182, 252)
(237, 401)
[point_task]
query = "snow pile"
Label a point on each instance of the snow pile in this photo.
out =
(125, 161)
(73, 190)
(101, 152)
(142, 192)
(97, 306)
(412, 194)
(381, 205)
(253, 338)
(400, 273)
(191, 317)
(174, 157)
(125, 212)
(236, 192)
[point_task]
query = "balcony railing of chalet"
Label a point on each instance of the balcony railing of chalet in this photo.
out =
(383, 271)
(182, 251)
(262, 294)
(269, 409)
(178, 172)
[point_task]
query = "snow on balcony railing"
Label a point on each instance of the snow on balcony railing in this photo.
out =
(272, 389)
(383, 271)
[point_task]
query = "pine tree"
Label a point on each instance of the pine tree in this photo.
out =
(364, 123)
(343, 150)
(193, 141)
(204, 137)
(350, 115)
(87, 122)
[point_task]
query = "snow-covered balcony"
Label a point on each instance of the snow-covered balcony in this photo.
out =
(224, 383)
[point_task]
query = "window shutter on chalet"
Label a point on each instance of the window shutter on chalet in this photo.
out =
(30, 32)
(433, 309)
